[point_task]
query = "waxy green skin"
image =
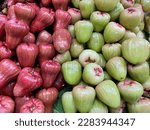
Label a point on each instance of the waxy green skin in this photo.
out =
(96, 42)
(93, 74)
(83, 97)
(114, 14)
(141, 34)
(146, 5)
(68, 103)
(142, 106)
(117, 68)
(130, 18)
(111, 50)
(99, 107)
(99, 20)
(113, 32)
(135, 50)
(76, 48)
(75, 3)
(83, 30)
(108, 93)
(107, 76)
(102, 61)
(86, 7)
(106, 5)
(139, 72)
(130, 90)
(88, 56)
(72, 72)
(127, 3)
(62, 58)
(71, 29)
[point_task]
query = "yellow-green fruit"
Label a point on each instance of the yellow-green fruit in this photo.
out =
(102, 61)
(68, 103)
(142, 106)
(135, 50)
(108, 93)
(117, 68)
(98, 107)
(83, 97)
(146, 86)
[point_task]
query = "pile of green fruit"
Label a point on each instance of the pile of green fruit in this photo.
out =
(107, 64)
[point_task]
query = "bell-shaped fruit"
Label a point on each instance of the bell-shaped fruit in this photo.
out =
(24, 12)
(127, 3)
(46, 3)
(76, 48)
(46, 52)
(28, 80)
(29, 38)
(117, 68)
(72, 72)
(142, 106)
(8, 72)
(111, 50)
(49, 70)
(93, 74)
(62, 40)
(113, 32)
(99, 20)
(43, 19)
(60, 4)
(48, 97)
(146, 5)
(75, 3)
(88, 56)
(83, 97)
(130, 18)
(62, 58)
(139, 72)
(86, 7)
(96, 42)
(83, 30)
(62, 19)
(27, 54)
(15, 32)
(98, 107)
(108, 93)
(130, 90)
(68, 103)
(115, 13)
(106, 5)
(3, 20)
(131, 48)
(75, 15)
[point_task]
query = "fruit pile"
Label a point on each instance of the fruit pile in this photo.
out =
(87, 56)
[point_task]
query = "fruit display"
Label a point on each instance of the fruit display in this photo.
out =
(75, 56)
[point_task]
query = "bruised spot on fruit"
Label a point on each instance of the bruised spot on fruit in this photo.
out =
(98, 71)
(129, 82)
(131, 10)
(89, 60)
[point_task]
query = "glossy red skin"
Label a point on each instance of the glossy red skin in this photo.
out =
(29, 38)
(5, 52)
(62, 19)
(11, 12)
(16, 30)
(7, 105)
(46, 52)
(8, 72)
(8, 90)
(62, 40)
(3, 20)
(75, 15)
(10, 3)
(44, 36)
(48, 97)
(59, 82)
(24, 12)
(49, 70)
(46, 3)
(28, 80)
(27, 54)
(44, 18)
(60, 4)
(33, 105)
(35, 6)
(19, 101)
